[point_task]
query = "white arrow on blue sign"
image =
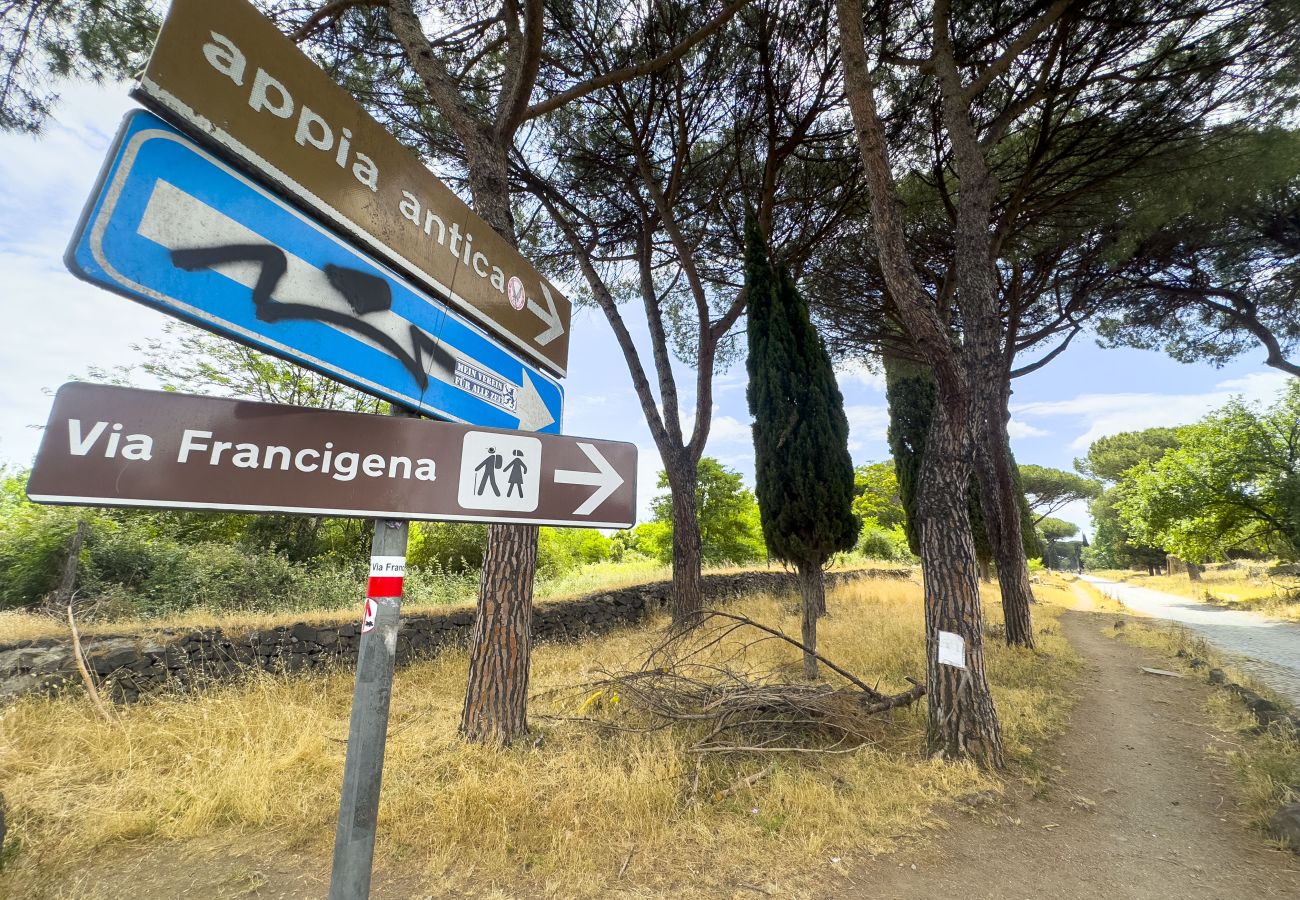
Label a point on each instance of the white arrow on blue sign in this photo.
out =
(175, 228)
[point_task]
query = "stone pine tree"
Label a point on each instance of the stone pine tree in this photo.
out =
(910, 391)
(804, 472)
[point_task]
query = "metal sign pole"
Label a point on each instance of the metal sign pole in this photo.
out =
(363, 767)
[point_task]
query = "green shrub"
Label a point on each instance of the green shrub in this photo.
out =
(888, 544)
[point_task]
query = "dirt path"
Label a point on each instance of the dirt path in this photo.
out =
(1269, 648)
(1137, 808)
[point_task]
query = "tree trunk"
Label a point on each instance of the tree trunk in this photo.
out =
(962, 719)
(688, 580)
(985, 567)
(496, 698)
(1193, 572)
(812, 591)
(1000, 502)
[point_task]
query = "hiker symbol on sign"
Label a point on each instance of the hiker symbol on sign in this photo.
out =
(500, 471)
(368, 616)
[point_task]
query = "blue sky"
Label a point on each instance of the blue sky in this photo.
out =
(57, 326)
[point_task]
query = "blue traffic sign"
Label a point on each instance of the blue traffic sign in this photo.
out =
(175, 228)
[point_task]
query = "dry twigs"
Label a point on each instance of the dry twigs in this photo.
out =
(708, 680)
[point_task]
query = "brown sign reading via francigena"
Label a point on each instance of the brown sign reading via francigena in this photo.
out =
(221, 68)
(116, 446)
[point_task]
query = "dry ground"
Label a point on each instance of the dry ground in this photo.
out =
(1131, 805)
(234, 792)
(1135, 800)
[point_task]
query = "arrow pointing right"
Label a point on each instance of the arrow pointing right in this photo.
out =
(550, 316)
(605, 479)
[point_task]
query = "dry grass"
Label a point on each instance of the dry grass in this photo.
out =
(583, 814)
(1254, 588)
(19, 625)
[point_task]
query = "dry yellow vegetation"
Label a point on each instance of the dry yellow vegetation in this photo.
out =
(20, 625)
(580, 814)
(1254, 586)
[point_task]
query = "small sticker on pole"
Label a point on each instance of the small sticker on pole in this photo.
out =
(386, 574)
(368, 616)
(952, 650)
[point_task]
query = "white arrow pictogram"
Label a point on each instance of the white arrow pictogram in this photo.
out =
(605, 480)
(550, 316)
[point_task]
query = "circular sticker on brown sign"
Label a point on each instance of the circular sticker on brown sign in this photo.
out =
(515, 290)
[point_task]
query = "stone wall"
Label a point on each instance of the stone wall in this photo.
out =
(129, 666)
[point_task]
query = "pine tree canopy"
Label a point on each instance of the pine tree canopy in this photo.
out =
(804, 473)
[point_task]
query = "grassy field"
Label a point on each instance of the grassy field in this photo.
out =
(1266, 764)
(579, 814)
(1253, 587)
(18, 625)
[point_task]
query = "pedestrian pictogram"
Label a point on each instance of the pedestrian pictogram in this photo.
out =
(500, 471)
(489, 468)
(515, 471)
(368, 616)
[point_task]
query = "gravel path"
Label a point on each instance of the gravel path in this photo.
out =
(1130, 807)
(1268, 648)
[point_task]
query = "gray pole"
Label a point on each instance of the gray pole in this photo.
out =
(363, 768)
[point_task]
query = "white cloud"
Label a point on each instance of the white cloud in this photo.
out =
(729, 430)
(867, 425)
(1018, 429)
(858, 371)
(1099, 415)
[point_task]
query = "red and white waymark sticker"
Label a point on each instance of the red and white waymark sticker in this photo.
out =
(368, 616)
(386, 573)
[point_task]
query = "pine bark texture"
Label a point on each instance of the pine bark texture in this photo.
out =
(1001, 498)
(688, 579)
(500, 645)
(962, 721)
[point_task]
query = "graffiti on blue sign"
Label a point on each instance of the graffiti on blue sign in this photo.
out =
(175, 228)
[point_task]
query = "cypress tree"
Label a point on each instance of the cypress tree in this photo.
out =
(804, 474)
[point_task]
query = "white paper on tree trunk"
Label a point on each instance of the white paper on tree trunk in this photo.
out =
(952, 650)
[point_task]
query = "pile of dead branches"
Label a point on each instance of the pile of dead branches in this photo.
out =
(706, 681)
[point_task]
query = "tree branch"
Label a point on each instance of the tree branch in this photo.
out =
(627, 73)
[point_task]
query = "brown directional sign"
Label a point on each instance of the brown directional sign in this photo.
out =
(115, 446)
(225, 71)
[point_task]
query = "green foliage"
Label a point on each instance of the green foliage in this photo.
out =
(563, 550)
(727, 513)
(447, 546)
(876, 495)
(44, 41)
(1233, 483)
(1053, 529)
(1110, 457)
(1049, 490)
(33, 543)
(1211, 252)
(1114, 546)
(910, 392)
(804, 474)
(877, 541)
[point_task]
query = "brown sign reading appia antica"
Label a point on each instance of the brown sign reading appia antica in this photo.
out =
(224, 69)
(115, 446)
